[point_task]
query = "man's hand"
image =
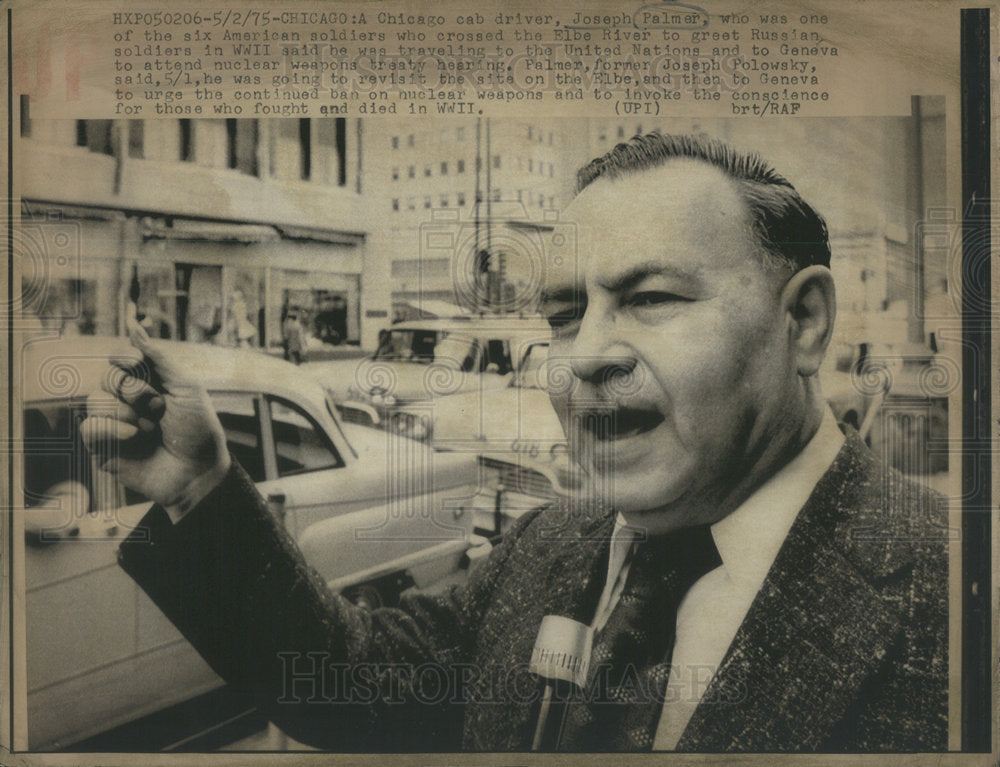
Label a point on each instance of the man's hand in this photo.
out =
(158, 432)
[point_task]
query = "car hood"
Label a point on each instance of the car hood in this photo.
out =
(496, 418)
(406, 381)
(336, 376)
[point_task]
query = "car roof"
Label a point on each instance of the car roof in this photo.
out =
(498, 325)
(57, 368)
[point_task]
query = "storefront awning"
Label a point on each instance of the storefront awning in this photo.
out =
(437, 308)
(213, 231)
(315, 234)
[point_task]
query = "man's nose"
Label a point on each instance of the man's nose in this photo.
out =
(597, 356)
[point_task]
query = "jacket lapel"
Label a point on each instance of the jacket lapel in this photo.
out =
(559, 568)
(817, 629)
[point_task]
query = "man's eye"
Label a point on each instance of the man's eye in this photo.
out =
(562, 316)
(647, 298)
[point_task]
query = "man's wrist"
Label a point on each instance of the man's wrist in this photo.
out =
(197, 489)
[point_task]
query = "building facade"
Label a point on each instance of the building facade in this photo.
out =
(216, 228)
(447, 190)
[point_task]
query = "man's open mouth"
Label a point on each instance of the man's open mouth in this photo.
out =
(619, 423)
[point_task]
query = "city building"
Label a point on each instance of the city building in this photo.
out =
(470, 178)
(218, 228)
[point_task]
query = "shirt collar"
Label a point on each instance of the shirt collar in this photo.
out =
(748, 539)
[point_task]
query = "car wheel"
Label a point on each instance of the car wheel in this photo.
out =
(381, 592)
(365, 595)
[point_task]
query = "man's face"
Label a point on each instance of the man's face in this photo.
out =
(682, 374)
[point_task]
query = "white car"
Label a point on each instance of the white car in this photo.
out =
(423, 359)
(374, 513)
(514, 430)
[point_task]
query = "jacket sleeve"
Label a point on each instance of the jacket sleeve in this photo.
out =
(329, 673)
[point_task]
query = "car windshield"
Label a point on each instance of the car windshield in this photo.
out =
(426, 346)
(530, 374)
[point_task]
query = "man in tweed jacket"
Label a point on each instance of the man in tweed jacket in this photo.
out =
(690, 314)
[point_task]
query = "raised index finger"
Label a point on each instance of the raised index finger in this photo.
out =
(161, 370)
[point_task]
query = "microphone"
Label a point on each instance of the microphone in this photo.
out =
(562, 658)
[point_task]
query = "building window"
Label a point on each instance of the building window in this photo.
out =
(395, 174)
(409, 140)
(395, 142)
(241, 145)
(305, 149)
(186, 149)
(427, 171)
(95, 135)
(287, 153)
(444, 201)
(136, 138)
(411, 203)
(530, 133)
(411, 172)
(460, 199)
(427, 202)
(461, 165)
(395, 203)
(25, 116)
(444, 169)
(340, 123)
(329, 162)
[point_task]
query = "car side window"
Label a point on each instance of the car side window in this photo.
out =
(239, 413)
(300, 444)
(497, 354)
(57, 466)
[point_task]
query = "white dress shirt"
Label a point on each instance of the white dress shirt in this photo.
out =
(748, 540)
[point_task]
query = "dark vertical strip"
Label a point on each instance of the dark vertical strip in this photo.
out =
(305, 149)
(917, 329)
(359, 155)
(9, 518)
(341, 150)
(976, 422)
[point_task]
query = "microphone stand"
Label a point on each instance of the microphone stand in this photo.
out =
(561, 657)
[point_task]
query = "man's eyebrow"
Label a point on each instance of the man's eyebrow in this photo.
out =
(636, 274)
(563, 295)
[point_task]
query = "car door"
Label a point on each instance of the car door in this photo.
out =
(99, 653)
(389, 507)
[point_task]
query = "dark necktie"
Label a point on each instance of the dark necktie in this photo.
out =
(621, 706)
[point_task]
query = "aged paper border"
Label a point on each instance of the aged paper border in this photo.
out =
(11, 606)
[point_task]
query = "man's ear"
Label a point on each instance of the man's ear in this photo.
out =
(810, 302)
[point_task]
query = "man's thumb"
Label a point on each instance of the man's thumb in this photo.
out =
(153, 354)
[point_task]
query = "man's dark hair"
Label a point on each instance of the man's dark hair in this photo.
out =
(786, 226)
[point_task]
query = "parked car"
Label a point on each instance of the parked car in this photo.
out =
(514, 431)
(896, 396)
(423, 359)
(373, 512)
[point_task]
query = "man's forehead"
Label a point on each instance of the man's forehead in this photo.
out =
(682, 214)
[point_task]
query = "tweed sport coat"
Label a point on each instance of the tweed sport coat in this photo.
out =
(843, 649)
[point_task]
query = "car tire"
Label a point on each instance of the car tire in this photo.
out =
(366, 595)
